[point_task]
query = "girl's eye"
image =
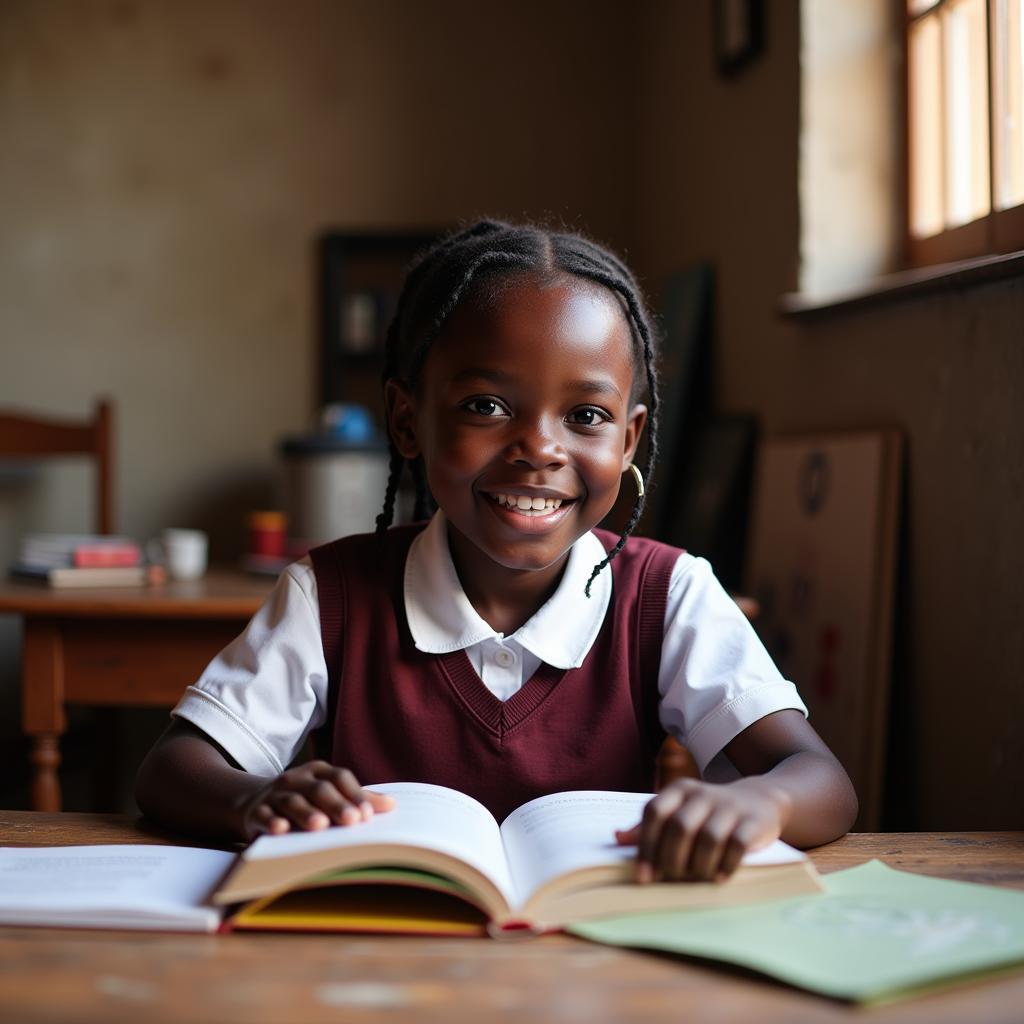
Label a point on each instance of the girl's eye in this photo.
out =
(588, 416)
(484, 407)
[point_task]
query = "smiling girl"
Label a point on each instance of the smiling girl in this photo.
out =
(504, 645)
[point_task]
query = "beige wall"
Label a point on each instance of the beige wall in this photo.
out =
(171, 164)
(165, 166)
(718, 180)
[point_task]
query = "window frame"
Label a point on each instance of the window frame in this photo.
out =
(998, 231)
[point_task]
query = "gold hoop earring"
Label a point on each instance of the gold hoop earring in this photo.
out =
(639, 477)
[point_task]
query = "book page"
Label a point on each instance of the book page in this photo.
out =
(431, 817)
(564, 832)
(111, 885)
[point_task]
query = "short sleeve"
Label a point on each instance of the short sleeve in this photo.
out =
(715, 678)
(264, 693)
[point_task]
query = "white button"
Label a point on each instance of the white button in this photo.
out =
(505, 658)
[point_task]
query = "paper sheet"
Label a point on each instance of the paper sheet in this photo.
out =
(875, 934)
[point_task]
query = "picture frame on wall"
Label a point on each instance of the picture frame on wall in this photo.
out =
(822, 567)
(738, 33)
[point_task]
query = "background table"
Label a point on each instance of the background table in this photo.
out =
(69, 976)
(121, 647)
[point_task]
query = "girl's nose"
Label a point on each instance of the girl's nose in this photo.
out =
(537, 446)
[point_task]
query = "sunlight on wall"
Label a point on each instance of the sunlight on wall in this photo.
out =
(850, 176)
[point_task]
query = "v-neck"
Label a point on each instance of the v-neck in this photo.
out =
(497, 716)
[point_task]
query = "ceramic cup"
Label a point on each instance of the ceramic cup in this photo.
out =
(181, 552)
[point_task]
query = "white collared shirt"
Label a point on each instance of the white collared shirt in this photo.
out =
(267, 690)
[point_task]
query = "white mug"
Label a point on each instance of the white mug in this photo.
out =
(183, 552)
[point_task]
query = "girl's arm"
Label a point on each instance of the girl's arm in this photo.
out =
(190, 784)
(793, 788)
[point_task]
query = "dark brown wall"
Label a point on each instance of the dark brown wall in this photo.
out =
(718, 180)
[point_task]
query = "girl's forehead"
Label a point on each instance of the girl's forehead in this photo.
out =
(538, 331)
(560, 308)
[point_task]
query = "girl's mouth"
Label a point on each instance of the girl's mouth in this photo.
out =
(527, 506)
(529, 514)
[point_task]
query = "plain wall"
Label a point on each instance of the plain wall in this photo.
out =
(165, 167)
(718, 181)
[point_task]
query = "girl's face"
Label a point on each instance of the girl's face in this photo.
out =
(523, 416)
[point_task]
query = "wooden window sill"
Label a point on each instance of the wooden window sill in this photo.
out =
(905, 283)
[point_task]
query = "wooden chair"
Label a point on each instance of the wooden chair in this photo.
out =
(27, 436)
(23, 435)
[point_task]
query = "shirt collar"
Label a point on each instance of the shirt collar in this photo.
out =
(441, 618)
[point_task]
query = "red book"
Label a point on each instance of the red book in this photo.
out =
(106, 556)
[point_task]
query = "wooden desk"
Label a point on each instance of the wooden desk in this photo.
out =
(124, 647)
(69, 976)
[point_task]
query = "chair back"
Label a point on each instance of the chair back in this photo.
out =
(25, 435)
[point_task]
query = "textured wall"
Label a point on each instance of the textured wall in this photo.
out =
(165, 166)
(718, 181)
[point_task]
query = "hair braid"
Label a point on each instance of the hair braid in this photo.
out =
(395, 463)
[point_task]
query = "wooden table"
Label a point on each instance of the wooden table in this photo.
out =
(69, 976)
(123, 647)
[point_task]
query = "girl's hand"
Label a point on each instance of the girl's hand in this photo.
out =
(699, 830)
(310, 796)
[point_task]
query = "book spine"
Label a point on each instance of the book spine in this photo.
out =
(106, 557)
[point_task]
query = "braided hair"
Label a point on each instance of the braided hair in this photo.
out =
(446, 274)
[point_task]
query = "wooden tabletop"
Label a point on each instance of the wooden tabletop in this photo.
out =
(68, 976)
(221, 593)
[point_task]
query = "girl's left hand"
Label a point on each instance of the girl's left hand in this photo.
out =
(700, 830)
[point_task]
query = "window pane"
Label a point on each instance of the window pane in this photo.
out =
(926, 207)
(965, 53)
(1008, 94)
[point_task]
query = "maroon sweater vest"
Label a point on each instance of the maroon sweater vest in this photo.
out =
(396, 714)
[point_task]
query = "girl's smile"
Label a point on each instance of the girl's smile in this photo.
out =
(539, 512)
(525, 420)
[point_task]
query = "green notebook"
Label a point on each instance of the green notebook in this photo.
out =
(874, 935)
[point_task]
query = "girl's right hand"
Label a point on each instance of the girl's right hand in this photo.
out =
(308, 797)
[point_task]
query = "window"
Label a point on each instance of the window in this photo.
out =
(965, 119)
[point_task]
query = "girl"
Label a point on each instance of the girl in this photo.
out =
(506, 648)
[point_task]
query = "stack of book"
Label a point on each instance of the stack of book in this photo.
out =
(80, 560)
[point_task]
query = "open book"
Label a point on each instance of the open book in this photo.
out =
(164, 888)
(439, 863)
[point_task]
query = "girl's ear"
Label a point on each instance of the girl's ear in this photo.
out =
(401, 411)
(634, 428)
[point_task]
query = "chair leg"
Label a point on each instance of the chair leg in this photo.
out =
(45, 758)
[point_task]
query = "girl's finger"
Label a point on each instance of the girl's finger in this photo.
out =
(298, 810)
(379, 801)
(679, 834)
(656, 813)
(324, 796)
(264, 819)
(345, 782)
(710, 843)
(741, 840)
(628, 836)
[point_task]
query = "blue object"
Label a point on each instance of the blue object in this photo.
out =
(350, 423)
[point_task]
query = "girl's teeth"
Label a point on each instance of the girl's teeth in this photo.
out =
(523, 503)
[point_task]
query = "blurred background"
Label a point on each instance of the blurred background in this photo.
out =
(168, 171)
